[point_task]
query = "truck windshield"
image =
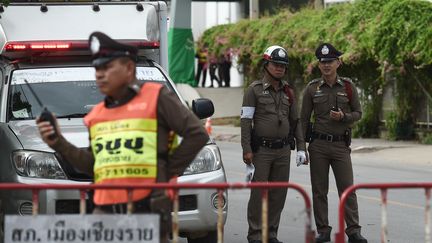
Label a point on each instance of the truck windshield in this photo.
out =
(69, 92)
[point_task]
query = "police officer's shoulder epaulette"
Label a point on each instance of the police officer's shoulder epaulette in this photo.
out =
(289, 91)
(314, 81)
(348, 86)
(255, 83)
(346, 79)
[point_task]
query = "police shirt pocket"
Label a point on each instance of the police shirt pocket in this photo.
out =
(343, 101)
(320, 102)
(285, 105)
(342, 98)
(266, 103)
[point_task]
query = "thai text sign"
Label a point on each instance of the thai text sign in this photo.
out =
(82, 228)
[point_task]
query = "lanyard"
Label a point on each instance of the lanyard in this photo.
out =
(277, 101)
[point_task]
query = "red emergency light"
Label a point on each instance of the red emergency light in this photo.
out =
(63, 48)
(145, 44)
(12, 47)
(50, 46)
(44, 46)
(68, 45)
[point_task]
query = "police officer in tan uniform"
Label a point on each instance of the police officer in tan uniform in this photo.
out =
(115, 65)
(269, 122)
(335, 105)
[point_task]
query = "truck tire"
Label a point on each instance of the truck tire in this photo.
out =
(211, 237)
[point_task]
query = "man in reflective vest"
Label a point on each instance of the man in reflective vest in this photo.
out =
(131, 134)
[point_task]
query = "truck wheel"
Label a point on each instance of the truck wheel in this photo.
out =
(211, 237)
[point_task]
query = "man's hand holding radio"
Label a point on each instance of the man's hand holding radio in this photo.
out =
(49, 133)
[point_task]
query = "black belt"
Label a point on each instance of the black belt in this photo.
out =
(140, 206)
(329, 137)
(277, 143)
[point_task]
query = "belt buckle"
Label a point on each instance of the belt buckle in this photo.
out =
(329, 138)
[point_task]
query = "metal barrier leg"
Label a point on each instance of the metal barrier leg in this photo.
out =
(310, 234)
(264, 216)
(83, 206)
(35, 201)
(384, 216)
(175, 226)
(129, 203)
(220, 217)
(428, 216)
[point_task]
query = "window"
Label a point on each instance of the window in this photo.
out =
(67, 92)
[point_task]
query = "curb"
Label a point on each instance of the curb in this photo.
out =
(370, 149)
(227, 138)
(232, 134)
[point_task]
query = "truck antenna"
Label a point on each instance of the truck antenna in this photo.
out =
(34, 94)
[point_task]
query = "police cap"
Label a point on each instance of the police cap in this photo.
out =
(327, 52)
(104, 49)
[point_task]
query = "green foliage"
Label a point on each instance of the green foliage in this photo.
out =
(391, 124)
(405, 32)
(426, 139)
(379, 38)
(382, 31)
(5, 2)
(369, 125)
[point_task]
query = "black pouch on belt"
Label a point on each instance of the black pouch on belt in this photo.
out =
(291, 141)
(309, 133)
(348, 137)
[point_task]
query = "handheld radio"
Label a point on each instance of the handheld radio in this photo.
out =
(336, 107)
(46, 115)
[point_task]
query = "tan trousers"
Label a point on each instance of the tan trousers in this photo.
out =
(324, 154)
(270, 165)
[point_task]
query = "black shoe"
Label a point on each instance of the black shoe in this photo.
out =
(323, 237)
(356, 238)
(274, 240)
(255, 241)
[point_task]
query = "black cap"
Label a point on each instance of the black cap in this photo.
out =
(104, 49)
(327, 52)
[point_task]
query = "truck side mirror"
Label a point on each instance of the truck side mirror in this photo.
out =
(202, 107)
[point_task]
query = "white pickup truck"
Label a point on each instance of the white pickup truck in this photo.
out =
(46, 44)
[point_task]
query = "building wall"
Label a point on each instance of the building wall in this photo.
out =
(209, 14)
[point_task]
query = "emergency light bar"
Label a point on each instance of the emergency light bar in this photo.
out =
(36, 46)
(19, 46)
(45, 46)
(144, 44)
